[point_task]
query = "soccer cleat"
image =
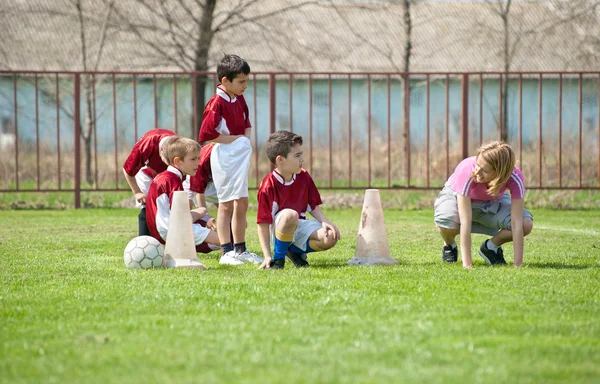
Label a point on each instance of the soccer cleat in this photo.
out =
(277, 264)
(230, 259)
(249, 257)
(449, 254)
(299, 259)
(491, 257)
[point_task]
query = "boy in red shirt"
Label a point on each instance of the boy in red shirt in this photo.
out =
(284, 197)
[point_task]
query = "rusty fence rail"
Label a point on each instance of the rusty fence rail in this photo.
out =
(71, 131)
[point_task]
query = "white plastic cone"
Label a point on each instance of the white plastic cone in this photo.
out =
(372, 246)
(180, 248)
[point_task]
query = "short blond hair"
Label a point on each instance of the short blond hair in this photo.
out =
(177, 146)
(501, 158)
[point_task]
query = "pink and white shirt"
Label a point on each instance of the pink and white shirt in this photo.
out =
(463, 183)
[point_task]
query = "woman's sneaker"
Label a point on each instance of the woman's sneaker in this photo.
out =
(299, 259)
(449, 254)
(491, 257)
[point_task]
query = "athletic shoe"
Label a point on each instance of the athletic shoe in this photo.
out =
(491, 257)
(249, 257)
(299, 259)
(230, 259)
(449, 254)
(277, 264)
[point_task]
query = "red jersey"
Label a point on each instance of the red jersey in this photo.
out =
(224, 116)
(158, 202)
(275, 194)
(145, 153)
(199, 182)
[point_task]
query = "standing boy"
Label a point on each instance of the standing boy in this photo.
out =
(182, 156)
(226, 122)
(141, 167)
(284, 197)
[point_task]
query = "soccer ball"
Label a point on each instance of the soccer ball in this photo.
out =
(143, 252)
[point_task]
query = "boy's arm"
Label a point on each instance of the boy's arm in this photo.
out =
(211, 222)
(140, 197)
(318, 214)
(465, 214)
(516, 221)
(264, 237)
(247, 132)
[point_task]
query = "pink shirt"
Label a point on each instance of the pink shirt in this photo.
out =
(464, 184)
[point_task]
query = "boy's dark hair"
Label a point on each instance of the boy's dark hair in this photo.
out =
(230, 66)
(281, 143)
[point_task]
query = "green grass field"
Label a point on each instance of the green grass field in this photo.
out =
(72, 313)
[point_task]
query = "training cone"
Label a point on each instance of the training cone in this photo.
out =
(180, 248)
(372, 246)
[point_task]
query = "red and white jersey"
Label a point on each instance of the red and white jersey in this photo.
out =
(158, 205)
(224, 116)
(199, 182)
(275, 195)
(145, 154)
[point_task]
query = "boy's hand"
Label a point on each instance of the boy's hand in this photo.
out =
(331, 228)
(140, 197)
(266, 263)
(212, 224)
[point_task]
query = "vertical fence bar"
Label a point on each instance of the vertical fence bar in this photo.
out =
(135, 125)
(94, 118)
(560, 78)
(389, 131)
(349, 131)
(272, 116)
(254, 86)
(580, 100)
(520, 120)
(175, 103)
(540, 142)
(407, 126)
(447, 124)
(310, 122)
(58, 131)
(291, 83)
(37, 134)
(480, 108)
(329, 96)
(598, 130)
(500, 117)
(77, 139)
(195, 128)
(464, 126)
(16, 124)
(155, 101)
(114, 100)
(427, 107)
(369, 130)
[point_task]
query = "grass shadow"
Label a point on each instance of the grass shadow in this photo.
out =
(560, 266)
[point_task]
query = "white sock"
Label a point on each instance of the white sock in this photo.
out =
(491, 246)
(453, 245)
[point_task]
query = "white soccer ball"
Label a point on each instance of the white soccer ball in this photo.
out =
(143, 252)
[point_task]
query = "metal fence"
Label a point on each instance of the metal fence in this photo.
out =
(71, 131)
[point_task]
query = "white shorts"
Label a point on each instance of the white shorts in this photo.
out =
(229, 165)
(303, 231)
(488, 216)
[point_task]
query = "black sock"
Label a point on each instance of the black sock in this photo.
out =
(240, 247)
(227, 247)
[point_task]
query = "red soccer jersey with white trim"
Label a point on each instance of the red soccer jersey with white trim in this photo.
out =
(203, 176)
(145, 153)
(275, 194)
(224, 116)
(164, 184)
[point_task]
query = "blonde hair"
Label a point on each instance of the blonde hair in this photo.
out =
(501, 158)
(177, 146)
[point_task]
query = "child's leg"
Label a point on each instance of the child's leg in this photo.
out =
(448, 234)
(238, 223)
(505, 235)
(318, 241)
(224, 215)
(285, 226)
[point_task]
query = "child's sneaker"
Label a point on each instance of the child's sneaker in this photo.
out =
(449, 254)
(249, 257)
(299, 259)
(277, 264)
(230, 259)
(491, 257)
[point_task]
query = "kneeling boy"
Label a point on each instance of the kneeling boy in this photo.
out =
(284, 197)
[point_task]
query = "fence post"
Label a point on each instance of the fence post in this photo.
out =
(407, 126)
(464, 123)
(272, 120)
(77, 140)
